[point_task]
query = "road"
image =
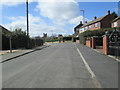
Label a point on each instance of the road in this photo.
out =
(57, 66)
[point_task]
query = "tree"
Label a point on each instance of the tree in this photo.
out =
(19, 38)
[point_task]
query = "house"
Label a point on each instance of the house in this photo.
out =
(5, 31)
(99, 23)
(4, 40)
(116, 22)
(76, 29)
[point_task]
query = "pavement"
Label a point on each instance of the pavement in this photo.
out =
(105, 68)
(6, 55)
(61, 66)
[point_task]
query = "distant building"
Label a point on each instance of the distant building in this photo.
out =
(116, 22)
(99, 23)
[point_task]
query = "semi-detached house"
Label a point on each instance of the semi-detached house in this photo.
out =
(99, 23)
(116, 22)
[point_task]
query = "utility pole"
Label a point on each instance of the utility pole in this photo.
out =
(10, 44)
(27, 23)
(10, 41)
(52, 35)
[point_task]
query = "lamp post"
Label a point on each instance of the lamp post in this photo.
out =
(83, 17)
(27, 23)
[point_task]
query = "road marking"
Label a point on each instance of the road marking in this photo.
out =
(95, 81)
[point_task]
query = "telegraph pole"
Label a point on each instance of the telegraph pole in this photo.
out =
(52, 35)
(27, 23)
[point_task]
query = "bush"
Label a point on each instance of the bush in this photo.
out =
(67, 38)
(20, 40)
(90, 33)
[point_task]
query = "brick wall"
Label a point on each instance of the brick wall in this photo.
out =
(77, 41)
(88, 43)
(91, 42)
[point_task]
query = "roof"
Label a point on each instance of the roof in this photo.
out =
(118, 18)
(94, 21)
(79, 25)
(4, 30)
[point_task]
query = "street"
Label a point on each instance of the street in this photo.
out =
(59, 66)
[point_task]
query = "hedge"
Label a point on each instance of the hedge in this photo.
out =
(19, 40)
(90, 33)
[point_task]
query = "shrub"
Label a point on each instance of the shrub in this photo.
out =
(90, 33)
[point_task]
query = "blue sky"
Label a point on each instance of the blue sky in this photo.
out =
(58, 17)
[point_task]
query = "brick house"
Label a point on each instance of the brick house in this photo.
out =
(116, 22)
(76, 29)
(99, 23)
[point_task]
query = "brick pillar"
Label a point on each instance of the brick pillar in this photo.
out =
(105, 44)
(93, 42)
(88, 43)
(77, 41)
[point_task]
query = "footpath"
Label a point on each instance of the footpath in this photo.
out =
(6, 55)
(105, 68)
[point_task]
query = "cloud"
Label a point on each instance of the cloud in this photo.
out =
(77, 20)
(37, 26)
(59, 12)
(15, 2)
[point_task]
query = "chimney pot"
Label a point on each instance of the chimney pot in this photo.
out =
(85, 21)
(95, 17)
(80, 22)
(108, 11)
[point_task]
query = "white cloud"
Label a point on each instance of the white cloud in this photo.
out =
(59, 12)
(36, 25)
(77, 20)
(15, 2)
(62, 14)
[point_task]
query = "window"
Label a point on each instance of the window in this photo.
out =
(80, 29)
(90, 26)
(115, 24)
(86, 28)
(96, 25)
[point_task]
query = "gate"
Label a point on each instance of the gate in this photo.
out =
(114, 44)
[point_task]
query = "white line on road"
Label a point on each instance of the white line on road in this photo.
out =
(96, 82)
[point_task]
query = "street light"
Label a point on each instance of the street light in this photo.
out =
(83, 17)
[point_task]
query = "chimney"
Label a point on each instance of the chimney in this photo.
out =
(80, 22)
(95, 17)
(108, 12)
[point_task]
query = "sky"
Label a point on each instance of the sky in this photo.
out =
(54, 16)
